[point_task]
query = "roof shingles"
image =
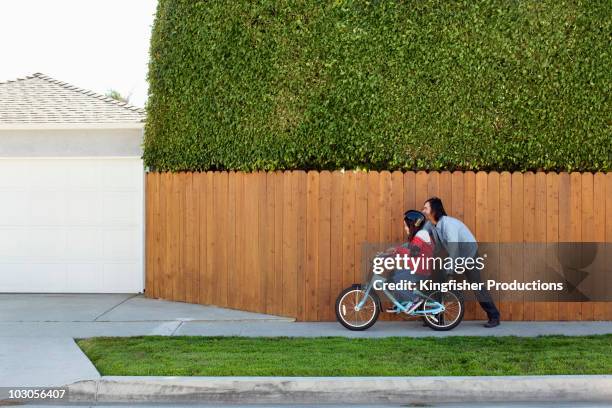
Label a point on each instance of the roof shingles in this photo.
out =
(38, 99)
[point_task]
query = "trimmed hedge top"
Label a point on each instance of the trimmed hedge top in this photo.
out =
(380, 84)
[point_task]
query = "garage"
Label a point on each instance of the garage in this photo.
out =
(71, 190)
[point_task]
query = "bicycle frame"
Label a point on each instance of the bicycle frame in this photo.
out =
(437, 306)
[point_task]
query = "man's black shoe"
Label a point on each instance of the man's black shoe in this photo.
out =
(492, 323)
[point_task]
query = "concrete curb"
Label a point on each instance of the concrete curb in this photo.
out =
(359, 390)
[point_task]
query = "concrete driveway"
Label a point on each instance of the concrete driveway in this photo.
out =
(89, 315)
(37, 331)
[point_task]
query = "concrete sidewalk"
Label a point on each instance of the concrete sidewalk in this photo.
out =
(79, 316)
(37, 331)
(42, 361)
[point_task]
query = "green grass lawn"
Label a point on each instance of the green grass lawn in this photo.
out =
(335, 356)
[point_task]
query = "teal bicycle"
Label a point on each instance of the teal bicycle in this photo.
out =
(358, 307)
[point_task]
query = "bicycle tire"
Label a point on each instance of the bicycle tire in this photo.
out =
(369, 323)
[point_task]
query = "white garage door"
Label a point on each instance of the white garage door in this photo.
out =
(71, 225)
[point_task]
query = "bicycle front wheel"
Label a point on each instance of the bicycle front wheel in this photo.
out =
(352, 317)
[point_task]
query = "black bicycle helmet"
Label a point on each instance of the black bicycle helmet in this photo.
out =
(414, 217)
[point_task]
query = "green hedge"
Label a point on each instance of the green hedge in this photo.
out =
(380, 84)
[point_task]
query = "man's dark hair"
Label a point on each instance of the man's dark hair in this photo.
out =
(437, 209)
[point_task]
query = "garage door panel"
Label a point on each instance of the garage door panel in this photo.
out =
(121, 245)
(86, 277)
(84, 208)
(47, 208)
(14, 212)
(117, 276)
(46, 244)
(47, 175)
(33, 277)
(120, 208)
(13, 243)
(48, 277)
(121, 176)
(84, 244)
(13, 174)
(84, 176)
(13, 277)
(71, 225)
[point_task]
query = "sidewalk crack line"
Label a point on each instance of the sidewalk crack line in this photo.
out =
(116, 306)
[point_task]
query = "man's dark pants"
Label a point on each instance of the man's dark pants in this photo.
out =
(483, 296)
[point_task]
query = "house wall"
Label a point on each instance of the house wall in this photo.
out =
(287, 243)
(71, 142)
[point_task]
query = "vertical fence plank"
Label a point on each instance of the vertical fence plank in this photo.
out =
(599, 236)
(433, 184)
(265, 197)
(457, 195)
(290, 243)
(529, 255)
(324, 273)
(421, 188)
(191, 241)
(469, 200)
(410, 191)
(470, 206)
(300, 193)
(384, 207)
(336, 242)
(312, 245)
(553, 182)
(179, 197)
(252, 267)
(361, 224)
(199, 183)
(166, 208)
(508, 264)
(493, 234)
(482, 209)
(565, 228)
(348, 229)
(266, 234)
(232, 279)
(588, 232)
(396, 200)
(481, 215)
(220, 236)
(445, 191)
(544, 310)
(518, 208)
(276, 306)
(373, 207)
(608, 219)
(241, 242)
(211, 248)
(575, 308)
(265, 240)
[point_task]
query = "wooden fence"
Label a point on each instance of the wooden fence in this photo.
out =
(287, 243)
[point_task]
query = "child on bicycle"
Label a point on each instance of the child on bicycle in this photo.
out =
(418, 245)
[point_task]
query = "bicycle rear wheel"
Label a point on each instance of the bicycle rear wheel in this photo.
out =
(454, 309)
